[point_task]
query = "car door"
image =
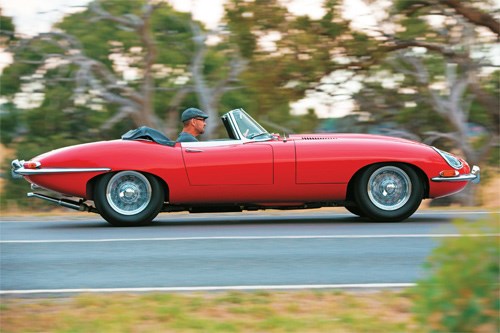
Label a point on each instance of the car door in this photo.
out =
(228, 163)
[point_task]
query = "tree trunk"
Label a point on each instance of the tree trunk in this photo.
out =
(203, 92)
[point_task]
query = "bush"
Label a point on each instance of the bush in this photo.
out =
(461, 292)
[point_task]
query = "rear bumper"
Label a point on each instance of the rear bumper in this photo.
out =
(474, 176)
(16, 165)
(18, 170)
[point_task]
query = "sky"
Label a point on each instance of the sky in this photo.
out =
(35, 16)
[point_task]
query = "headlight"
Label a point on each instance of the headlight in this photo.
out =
(450, 159)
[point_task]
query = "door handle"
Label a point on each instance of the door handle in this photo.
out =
(191, 150)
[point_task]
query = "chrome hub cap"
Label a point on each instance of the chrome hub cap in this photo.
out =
(128, 192)
(389, 188)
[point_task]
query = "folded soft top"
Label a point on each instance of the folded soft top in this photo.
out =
(148, 133)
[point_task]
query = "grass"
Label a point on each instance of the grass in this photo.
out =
(306, 311)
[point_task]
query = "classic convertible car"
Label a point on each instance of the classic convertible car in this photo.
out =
(129, 181)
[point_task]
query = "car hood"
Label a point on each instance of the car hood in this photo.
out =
(351, 136)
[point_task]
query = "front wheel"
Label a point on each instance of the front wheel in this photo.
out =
(388, 192)
(128, 198)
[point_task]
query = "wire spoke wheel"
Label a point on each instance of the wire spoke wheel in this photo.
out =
(389, 188)
(129, 198)
(128, 192)
(388, 193)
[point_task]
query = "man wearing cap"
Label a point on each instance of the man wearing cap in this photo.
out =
(194, 121)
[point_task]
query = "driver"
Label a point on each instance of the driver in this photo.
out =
(194, 121)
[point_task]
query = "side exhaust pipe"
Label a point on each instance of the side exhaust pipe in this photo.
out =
(64, 202)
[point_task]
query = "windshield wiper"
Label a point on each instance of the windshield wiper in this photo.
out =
(257, 135)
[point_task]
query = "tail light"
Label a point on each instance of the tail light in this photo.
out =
(32, 165)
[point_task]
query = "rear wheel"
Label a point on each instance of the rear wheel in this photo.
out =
(388, 192)
(355, 210)
(128, 198)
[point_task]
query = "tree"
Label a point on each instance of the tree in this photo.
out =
(426, 78)
(115, 69)
(209, 96)
(446, 78)
(287, 54)
(441, 70)
(141, 64)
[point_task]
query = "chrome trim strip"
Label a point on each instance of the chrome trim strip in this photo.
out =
(474, 177)
(216, 143)
(30, 172)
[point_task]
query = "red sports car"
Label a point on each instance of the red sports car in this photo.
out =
(129, 181)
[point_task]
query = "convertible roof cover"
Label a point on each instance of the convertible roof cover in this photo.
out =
(148, 133)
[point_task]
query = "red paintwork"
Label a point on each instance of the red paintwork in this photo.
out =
(303, 168)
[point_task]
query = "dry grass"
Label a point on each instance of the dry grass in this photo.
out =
(490, 193)
(307, 311)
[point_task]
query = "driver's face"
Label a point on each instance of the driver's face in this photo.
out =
(199, 124)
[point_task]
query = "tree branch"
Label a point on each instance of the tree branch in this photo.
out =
(129, 20)
(474, 15)
(236, 66)
(433, 136)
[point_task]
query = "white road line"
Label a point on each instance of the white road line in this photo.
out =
(453, 212)
(173, 239)
(210, 288)
(299, 215)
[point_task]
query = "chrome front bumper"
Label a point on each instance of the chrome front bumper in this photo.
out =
(474, 176)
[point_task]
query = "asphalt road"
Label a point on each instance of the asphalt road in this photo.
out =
(290, 250)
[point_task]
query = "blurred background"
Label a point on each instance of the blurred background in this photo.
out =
(79, 71)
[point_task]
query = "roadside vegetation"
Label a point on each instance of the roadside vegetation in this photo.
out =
(459, 293)
(307, 311)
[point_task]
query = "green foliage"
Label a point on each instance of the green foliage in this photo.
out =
(461, 292)
(56, 123)
(9, 123)
(247, 20)
(69, 113)
(414, 27)
(7, 29)
(280, 72)
(24, 65)
(171, 31)
(434, 49)
(279, 312)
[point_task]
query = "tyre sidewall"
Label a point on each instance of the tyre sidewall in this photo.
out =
(355, 210)
(377, 214)
(115, 218)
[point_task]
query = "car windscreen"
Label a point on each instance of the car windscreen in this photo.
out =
(248, 127)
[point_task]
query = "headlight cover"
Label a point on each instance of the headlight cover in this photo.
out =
(454, 162)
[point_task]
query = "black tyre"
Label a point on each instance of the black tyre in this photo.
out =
(128, 198)
(389, 193)
(355, 210)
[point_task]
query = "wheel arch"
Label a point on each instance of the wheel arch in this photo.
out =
(92, 182)
(421, 175)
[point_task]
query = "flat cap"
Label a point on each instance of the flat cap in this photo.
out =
(193, 113)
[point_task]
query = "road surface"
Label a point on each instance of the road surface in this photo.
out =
(254, 250)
